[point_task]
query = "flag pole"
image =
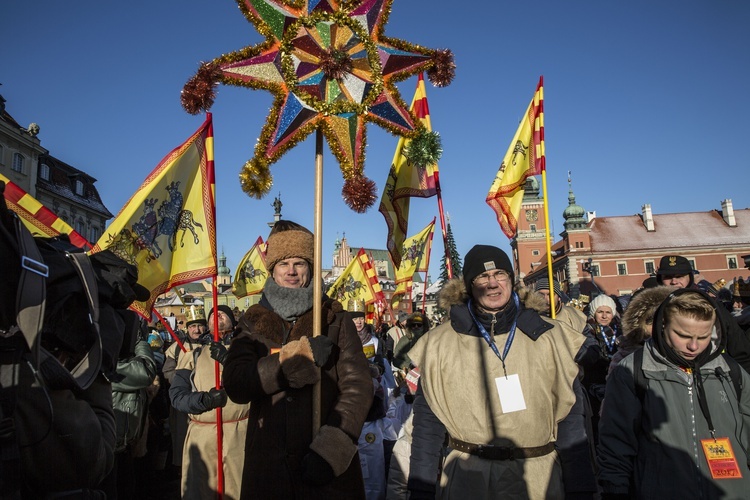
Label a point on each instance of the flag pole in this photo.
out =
(215, 296)
(448, 263)
(169, 329)
(543, 160)
(317, 281)
(427, 270)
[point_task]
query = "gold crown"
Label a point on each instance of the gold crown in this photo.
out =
(195, 313)
(356, 305)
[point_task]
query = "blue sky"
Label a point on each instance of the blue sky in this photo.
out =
(645, 102)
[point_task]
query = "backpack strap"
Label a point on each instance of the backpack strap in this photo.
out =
(32, 290)
(735, 373)
(641, 384)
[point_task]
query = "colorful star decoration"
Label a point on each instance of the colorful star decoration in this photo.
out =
(329, 66)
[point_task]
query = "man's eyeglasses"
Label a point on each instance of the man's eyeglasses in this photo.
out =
(484, 279)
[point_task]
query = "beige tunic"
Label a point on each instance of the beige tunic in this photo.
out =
(200, 457)
(458, 380)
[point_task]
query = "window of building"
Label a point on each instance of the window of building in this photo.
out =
(232, 303)
(532, 227)
(18, 163)
(44, 171)
(80, 227)
(731, 262)
(595, 270)
(579, 244)
(622, 268)
(535, 253)
(93, 234)
(692, 264)
(247, 302)
(79, 187)
(2, 155)
(650, 269)
(182, 310)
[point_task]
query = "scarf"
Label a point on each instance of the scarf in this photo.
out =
(365, 335)
(288, 303)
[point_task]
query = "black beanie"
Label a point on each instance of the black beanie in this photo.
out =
(483, 258)
(226, 309)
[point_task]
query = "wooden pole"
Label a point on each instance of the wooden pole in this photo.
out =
(317, 277)
(219, 421)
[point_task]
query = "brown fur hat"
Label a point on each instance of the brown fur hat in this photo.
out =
(289, 240)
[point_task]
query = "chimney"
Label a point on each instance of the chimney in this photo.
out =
(727, 212)
(648, 217)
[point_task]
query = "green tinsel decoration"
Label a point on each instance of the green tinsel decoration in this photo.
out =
(425, 149)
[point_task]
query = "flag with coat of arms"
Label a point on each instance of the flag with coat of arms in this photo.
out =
(168, 227)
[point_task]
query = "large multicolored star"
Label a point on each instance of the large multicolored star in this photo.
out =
(329, 66)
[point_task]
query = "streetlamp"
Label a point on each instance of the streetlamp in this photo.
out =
(588, 268)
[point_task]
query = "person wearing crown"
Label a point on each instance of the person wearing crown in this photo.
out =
(196, 327)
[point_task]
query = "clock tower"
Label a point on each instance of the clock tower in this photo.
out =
(529, 245)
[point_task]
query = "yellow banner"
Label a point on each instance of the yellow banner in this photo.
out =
(405, 181)
(415, 253)
(523, 159)
(356, 282)
(167, 228)
(251, 273)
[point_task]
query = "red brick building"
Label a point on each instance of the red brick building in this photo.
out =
(622, 251)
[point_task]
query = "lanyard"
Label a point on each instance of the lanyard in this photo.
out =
(491, 340)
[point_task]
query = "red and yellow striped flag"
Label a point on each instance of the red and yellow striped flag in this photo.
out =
(38, 219)
(359, 281)
(406, 180)
(168, 227)
(524, 158)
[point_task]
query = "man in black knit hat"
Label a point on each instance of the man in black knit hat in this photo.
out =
(497, 378)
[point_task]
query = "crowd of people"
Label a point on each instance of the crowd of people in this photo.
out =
(643, 396)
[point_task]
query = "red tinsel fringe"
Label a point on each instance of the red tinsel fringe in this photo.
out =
(199, 92)
(359, 193)
(443, 69)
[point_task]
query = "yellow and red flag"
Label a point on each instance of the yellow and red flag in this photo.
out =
(359, 281)
(251, 273)
(406, 181)
(524, 158)
(415, 251)
(168, 227)
(38, 219)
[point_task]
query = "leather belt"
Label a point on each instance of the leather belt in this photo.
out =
(490, 452)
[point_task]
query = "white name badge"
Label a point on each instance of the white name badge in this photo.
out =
(511, 395)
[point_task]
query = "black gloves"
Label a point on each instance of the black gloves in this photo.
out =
(315, 469)
(214, 398)
(218, 352)
(321, 347)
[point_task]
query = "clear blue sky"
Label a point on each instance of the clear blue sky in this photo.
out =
(645, 102)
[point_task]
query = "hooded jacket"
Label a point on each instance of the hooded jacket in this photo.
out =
(652, 448)
(457, 394)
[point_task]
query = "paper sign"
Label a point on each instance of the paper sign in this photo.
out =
(511, 395)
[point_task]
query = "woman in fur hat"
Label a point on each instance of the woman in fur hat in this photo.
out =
(497, 378)
(274, 362)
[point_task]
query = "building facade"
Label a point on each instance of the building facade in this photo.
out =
(614, 255)
(67, 191)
